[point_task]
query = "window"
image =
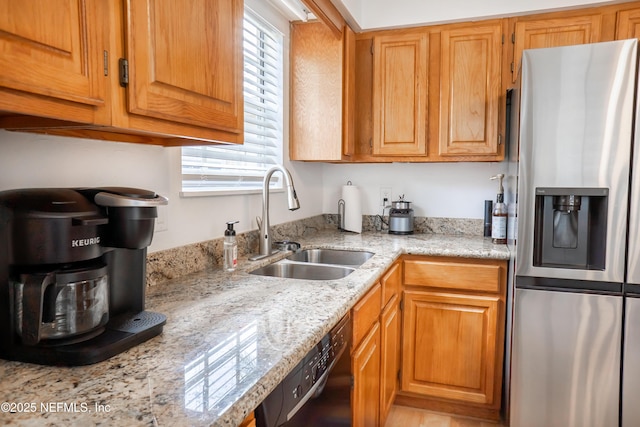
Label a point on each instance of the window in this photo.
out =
(231, 168)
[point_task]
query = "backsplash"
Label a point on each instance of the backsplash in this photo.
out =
(182, 260)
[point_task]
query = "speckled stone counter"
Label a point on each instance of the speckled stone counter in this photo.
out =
(230, 338)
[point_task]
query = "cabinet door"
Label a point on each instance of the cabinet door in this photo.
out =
(470, 90)
(400, 68)
(391, 283)
(628, 26)
(390, 356)
(322, 101)
(55, 50)
(554, 33)
(185, 61)
(365, 313)
(450, 346)
(365, 398)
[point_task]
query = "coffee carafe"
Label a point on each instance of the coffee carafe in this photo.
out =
(61, 304)
(72, 273)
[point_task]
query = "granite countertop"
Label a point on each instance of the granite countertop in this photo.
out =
(230, 338)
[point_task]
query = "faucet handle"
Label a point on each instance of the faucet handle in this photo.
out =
(287, 245)
(259, 222)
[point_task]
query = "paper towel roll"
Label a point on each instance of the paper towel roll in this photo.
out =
(352, 208)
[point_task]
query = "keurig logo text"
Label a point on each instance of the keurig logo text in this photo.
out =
(85, 242)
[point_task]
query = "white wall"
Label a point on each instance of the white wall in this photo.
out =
(30, 160)
(450, 190)
(370, 14)
(454, 190)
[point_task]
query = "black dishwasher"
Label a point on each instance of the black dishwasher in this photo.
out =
(317, 391)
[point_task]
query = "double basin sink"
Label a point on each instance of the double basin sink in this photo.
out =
(316, 264)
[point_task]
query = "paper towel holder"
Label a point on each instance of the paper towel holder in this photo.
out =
(341, 214)
(341, 207)
(350, 209)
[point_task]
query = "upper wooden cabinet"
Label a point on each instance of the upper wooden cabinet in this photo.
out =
(53, 59)
(431, 94)
(166, 73)
(628, 25)
(435, 93)
(400, 89)
(470, 90)
(184, 62)
(322, 93)
(554, 32)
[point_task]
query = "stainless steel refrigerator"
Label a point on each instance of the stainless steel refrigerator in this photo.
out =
(575, 357)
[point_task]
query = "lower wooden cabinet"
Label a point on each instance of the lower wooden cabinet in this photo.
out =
(365, 397)
(450, 346)
(430, 335)
(390, 322)
(453, 335)
(375, 355)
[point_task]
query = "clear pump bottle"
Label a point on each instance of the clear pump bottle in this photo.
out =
(499, 215)
(230, 247)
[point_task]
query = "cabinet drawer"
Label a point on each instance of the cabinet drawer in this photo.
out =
(464, 275)
(366, 313)
(391, 283)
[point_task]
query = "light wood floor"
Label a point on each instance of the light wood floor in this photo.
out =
(403, 416)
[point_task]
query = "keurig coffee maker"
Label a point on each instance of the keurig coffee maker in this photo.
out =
(72, 273)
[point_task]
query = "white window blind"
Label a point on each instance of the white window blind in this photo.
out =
(230, 168)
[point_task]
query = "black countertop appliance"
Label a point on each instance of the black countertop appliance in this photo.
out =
(72, 273)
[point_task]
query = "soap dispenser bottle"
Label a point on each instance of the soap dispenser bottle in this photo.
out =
(499, 215)
(230, 247)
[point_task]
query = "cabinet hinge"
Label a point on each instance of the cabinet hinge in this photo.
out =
(513, 38)
(372, 47)
(105, 62)
(371, 143)
(399, 374)
(123, 65)
(352, 381)
(512, 68)
(503, 39)
(499, 139)
(401, 304)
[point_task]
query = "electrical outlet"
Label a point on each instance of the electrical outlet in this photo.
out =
(385, 196)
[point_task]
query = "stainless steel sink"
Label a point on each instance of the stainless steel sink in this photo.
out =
(307, 271)
(332, 256)
(316, 264)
